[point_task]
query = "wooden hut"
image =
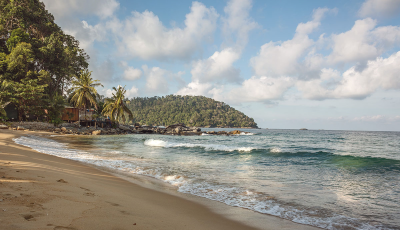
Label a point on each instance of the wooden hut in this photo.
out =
(70, 114)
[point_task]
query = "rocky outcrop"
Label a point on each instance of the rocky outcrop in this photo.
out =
(96, 132)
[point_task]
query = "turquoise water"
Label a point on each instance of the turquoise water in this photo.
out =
(329, 179)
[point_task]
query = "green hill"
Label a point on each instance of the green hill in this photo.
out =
(192, 110)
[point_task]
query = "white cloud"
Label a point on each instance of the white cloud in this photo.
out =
(237, 21)
(65, 8)
(354, 45)
(133, 92)
(281, 58)
(195, 89)
(156, 80)
(260, 89)
(379, 8)
(130, 73)
(217, 67)
(143, 35)
(381, 73)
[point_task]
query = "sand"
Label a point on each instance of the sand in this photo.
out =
(39, 191)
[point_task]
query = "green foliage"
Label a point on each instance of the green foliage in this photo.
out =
(33, 49)
(84, 92)
(27, 96)
(191, 110)
(55, 109)
(115, 106)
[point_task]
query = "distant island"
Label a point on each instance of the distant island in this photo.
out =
(196, 111)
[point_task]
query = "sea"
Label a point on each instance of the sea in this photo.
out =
(323, 178)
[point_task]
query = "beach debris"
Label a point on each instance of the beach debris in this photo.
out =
(62, 181)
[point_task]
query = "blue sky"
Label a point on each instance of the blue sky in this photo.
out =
(288, 64)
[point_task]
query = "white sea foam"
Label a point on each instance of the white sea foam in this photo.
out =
(166, 144)
(275, 150)
(246, 133)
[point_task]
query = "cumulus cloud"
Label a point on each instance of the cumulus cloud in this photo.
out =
(143, 35)
(130, 73)
(281, 58)
(195, 88)
(260, 89)
(132, 92)
(381, 73)
(379, 8)
(65, 8)
(67, 13)
(238, 22)
(156, 80)
(218, 67)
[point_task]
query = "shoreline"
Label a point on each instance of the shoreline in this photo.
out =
(93, 197)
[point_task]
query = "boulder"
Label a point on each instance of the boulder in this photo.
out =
(125, 128)
(57, 130)
(20, 128)
(178, 129)
(235, 132)
(63, 129)
(96, 132)
(3, 127)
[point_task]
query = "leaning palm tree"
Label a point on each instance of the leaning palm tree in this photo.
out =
(84, 93)
(115, 107)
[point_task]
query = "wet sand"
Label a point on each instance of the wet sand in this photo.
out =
(39, 191)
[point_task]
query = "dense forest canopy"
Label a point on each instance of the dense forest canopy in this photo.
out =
(37, 59)
(191, 110)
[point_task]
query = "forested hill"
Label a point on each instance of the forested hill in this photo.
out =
(192, 110)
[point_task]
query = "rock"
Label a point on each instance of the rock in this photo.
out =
(57, 130)
(222, 133)
(178, 129)
(195, 129)
(113, 130)
(20, 128)
(63, 129)
(125, 128)
(235, 132)
(96, 132)
(3, 127)
(211, 132)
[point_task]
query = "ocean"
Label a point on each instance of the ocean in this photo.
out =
(328, 179)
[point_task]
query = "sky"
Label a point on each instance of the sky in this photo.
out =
(313, 64)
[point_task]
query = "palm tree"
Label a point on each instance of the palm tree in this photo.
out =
(115, 106)
(84, 92)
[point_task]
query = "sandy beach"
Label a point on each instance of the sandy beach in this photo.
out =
(39, 191)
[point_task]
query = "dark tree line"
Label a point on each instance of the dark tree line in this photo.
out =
(191, 110)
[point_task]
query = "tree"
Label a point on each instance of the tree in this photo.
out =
(115, 106)
(27, 96)
(56, 108)
(84, 92)
(34, 49)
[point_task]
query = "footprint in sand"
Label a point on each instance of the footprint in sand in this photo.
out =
(89, 194)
